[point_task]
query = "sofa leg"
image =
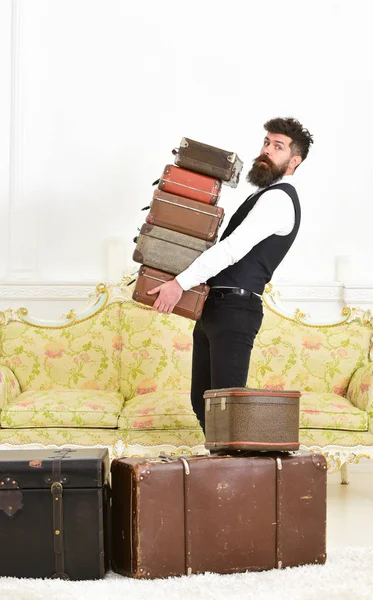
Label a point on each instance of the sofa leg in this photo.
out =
(344, 474)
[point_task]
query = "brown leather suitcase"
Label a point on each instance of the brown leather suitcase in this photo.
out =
(185, 215)
(217, 514)
(209, 160)
(190, 184)
(252, 419)
(167, 250)
(54, 509)
(190, 304)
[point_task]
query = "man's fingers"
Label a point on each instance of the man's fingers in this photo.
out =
(156, 304)
(154, 290)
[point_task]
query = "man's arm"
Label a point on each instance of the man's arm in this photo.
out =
(273, 213)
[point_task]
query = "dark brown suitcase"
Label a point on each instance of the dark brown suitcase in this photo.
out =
(217, 514)
(209, 160)
(54, 510)
(185, 215)
(167, 250)
(190, 304)
(252, 419)
(190, 184)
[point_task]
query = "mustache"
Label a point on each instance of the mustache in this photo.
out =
(265, 159)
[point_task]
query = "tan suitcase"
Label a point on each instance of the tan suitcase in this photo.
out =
(190, 304)
(252, 419)
(185, 215)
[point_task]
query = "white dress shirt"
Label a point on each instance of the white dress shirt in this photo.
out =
(272, 214)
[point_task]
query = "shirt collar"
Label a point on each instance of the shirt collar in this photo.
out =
(285, 179)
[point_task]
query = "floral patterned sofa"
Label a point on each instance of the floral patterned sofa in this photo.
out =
(118, 374)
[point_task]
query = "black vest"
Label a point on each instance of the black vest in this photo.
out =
(254, 270)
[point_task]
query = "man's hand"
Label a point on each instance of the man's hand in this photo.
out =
(169, 295)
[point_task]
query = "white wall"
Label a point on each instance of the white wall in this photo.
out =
(104, 89)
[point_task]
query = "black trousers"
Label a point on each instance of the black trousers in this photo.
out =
(222, 342)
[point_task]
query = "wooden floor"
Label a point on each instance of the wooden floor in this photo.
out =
(350, 508)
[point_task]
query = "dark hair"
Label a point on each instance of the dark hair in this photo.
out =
(301, 137)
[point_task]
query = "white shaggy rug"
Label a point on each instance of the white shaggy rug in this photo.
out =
(347, 575)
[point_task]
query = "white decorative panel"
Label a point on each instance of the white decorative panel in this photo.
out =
(5, 111)
(321, 302)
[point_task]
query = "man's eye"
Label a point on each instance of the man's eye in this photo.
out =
(266, 143)
(278, 147)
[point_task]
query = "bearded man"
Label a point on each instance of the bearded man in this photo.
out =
(238, 267)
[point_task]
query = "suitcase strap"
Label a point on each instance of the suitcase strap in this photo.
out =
(279, 484)
(57, 493)
(188, 187)
(197, 210)
(164, 281)
(187, 529)
(57, 481)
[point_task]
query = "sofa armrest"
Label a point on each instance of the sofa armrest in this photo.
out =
(9, 385)
(360, 388)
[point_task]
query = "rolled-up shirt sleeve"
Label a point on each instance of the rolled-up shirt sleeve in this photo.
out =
(272, 214)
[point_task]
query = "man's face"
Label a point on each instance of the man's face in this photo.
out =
(274, 162)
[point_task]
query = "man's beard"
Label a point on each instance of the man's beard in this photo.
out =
(263, 175)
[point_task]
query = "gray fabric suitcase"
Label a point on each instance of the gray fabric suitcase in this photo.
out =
(167, 250)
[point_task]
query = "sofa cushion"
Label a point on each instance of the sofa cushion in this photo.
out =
(78, 356)
(158, 410)
(63, 408)
(330, 411)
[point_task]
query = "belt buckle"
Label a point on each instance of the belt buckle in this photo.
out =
(219, 293)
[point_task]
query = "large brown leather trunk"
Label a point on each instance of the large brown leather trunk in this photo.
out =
(209, 160)
(185, 215)
(190, 304)
(167, 250)
(54, 513)
(190, 184)
(252, 419)
(218, 514)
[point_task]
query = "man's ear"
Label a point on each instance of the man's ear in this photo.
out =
(295, 161)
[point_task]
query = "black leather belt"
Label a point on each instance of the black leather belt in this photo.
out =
(220, 292)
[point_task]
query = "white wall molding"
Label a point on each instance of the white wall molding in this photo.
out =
(45, 291)
(308, 292)
(356, 294)
(49, 300)
(289, 291)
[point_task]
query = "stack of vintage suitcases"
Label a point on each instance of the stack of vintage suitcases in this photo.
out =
(256, 503)
(183, 220)
(253, 506)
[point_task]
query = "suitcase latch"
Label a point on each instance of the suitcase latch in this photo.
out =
(10, 496)
(223, 403)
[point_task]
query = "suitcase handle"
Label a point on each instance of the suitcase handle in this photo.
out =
(175, 151)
